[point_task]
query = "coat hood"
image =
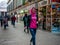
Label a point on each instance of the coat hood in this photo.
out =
(33, 11)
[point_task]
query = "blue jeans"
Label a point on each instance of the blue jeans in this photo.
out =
(33, 33)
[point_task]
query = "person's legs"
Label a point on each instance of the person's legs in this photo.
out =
(1, 23)
(13, 23)
(24, 28)
(7, 24)
(34, 39)
(33, 33)
(4, 26)
(27, 29)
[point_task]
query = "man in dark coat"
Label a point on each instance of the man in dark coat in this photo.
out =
(25, 19)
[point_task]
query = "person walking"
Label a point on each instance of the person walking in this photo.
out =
(13, 19)
(33, 24)
(5, 21)
(1, 20)
(25, 19)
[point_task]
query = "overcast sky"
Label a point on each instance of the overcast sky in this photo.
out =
(3, 0)
(3, 5)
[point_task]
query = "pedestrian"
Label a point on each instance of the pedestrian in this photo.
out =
(1, 20)
(33, 24)
(25, 19)
(13, 19)
(5, 21)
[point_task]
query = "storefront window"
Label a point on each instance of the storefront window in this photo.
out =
(55, 19)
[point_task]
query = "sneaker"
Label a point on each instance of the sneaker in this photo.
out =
(30, 41)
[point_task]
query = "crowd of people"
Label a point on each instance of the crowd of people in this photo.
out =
(4, 21)
(30, 23)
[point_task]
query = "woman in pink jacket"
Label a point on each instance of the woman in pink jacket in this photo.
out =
(33, 20)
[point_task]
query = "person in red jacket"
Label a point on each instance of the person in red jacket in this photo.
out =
(13, 19)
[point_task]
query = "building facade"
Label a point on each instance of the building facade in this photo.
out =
(3, 8)
(49, 8)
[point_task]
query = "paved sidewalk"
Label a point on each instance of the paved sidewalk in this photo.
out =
(16, 36)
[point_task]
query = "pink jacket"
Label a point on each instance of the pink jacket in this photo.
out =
(33, 21)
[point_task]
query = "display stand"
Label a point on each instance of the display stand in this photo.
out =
(55, 19)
